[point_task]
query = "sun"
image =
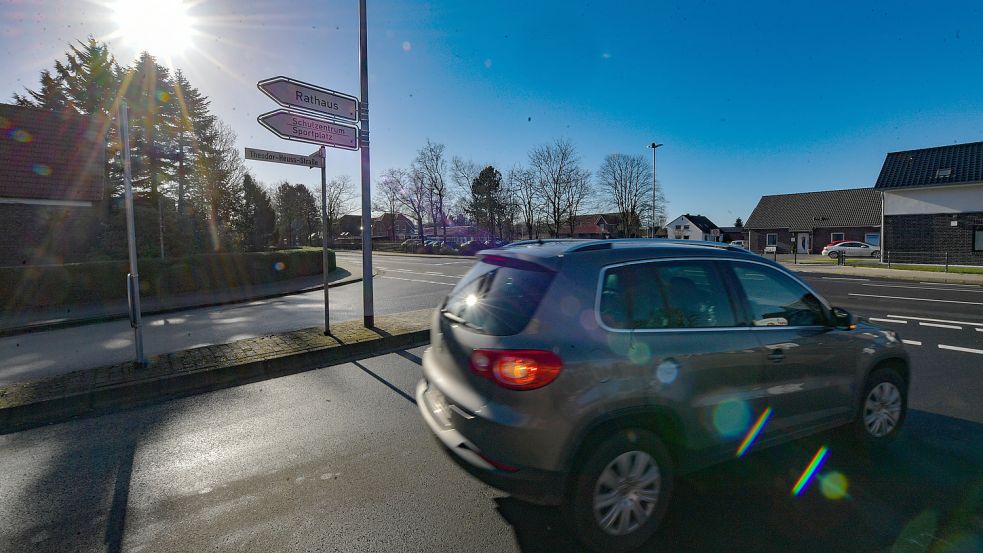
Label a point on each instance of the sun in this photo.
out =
(162, 27)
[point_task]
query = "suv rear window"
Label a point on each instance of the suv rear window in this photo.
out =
(496, 299)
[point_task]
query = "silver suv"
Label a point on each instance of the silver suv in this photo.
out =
(587, 374)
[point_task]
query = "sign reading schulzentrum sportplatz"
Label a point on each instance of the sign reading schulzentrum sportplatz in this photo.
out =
(304, 128)
(297, 94)
(284, 157)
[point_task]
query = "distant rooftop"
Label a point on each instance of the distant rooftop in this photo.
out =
(939, 166)
(804, 211)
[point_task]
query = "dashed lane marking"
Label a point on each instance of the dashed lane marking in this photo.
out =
(899, 321)
(949, 284)
(924, 288)
(938, 325)
(845, 278)
(957, 348)
(915, 299)
(935, 320)
(419, 280)
(912, 342)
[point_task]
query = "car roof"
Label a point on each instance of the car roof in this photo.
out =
(549, 253)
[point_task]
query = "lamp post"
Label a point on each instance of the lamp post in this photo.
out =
(654, 186)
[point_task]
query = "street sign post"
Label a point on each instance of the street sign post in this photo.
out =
(310, 161)
(304, 128)
(296, 94)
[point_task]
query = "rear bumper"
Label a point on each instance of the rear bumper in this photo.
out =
(529, 484)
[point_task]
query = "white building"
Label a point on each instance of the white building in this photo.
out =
(693, 227)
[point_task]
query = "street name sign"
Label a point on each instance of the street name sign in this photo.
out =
(304, 128)
(296, 94)
(283, 157)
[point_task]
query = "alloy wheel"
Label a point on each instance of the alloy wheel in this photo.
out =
(627, 492)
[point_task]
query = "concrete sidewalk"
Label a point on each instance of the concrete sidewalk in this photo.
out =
(203, 369)
(894, 274)
(30, 320)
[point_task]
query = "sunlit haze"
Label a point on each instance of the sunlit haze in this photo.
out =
(161, 27)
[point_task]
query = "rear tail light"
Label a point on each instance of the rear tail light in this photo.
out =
(517, 369)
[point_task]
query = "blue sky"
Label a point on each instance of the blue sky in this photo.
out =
(750, 98)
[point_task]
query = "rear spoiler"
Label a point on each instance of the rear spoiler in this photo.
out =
(520, 260)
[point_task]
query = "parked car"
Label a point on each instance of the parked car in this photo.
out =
(847, 248)
(663, 370)
(738, 243)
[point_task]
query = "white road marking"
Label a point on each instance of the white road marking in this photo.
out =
(935, 320)
(949, 284)
(844, 278)
(418, 280)
(915, 299)
(957, 348)
(979, 330)
(428, 273)
(924, 288)
(912, 342)
(937, 325)
(462, 262)
(887, 320)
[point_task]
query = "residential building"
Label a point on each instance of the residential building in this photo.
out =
(729, 234)
(594, 225)
(52, 184)
(808, 221)
(383, 227)
(933, 204)
(693, 227)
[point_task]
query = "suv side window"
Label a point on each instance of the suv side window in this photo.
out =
(665, 295)
(774, 299)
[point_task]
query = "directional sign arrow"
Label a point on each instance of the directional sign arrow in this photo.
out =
(304, 128)
(296, 94)
(283, 157)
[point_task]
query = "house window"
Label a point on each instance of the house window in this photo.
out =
(978, 238)
(873, 238)
(679, 227)
(834, 236)
(686, 237)
(686, 227)
(772, 239)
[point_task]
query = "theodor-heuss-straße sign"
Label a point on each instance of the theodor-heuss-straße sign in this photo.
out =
(304, 128)
(290, 93)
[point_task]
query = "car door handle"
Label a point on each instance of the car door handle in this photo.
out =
(776, 356)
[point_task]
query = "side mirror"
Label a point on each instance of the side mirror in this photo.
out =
(842, 318)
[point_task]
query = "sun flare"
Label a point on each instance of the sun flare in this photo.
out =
(162, 27)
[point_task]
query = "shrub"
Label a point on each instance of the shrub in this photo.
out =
(47, 285)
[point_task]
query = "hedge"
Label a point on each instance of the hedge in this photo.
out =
(81, 283)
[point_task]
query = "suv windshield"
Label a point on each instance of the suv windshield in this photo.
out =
(497, 300)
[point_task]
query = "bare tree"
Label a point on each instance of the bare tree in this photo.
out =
(432, 165)
(413, 194)
(628, 180)
(577, 196)
(523, 184)
(389, 190)
(340, 202)
(554, 167)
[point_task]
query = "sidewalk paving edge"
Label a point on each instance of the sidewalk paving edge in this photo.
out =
(890, 274)
(137, 393)
(82, 321)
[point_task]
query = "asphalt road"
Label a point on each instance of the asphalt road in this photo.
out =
(338, 459)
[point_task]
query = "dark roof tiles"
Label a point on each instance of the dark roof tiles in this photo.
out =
(856, 207)
(939, 166)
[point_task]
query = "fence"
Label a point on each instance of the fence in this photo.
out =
(917, 258)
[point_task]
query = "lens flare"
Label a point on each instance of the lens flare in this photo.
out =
(731, 417)
(833, 485)
(162, 27)
(810, 470)
(753, 432)
(20, 135)
(279, 266)
(42, 170)
(471, 300)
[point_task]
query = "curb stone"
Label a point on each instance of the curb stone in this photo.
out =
(204, 369)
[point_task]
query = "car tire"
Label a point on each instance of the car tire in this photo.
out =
(640, 496)
(834, 255)
(883, 407)
(875, 253)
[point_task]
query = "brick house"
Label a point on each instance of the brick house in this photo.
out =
(810, 220)
(594, 225)
(384, 228)
(52, 184)
(933, 204)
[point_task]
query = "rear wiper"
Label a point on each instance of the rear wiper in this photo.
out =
(459, 320)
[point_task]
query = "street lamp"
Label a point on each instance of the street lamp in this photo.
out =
(654, 186)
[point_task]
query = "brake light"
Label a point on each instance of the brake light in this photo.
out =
(522, 369)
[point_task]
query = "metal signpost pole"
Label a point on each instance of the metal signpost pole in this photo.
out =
(363, 62)
(324, 236)
(654, 185)
(132, 279)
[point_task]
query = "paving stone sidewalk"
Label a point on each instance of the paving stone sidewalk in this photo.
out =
(204, 369)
